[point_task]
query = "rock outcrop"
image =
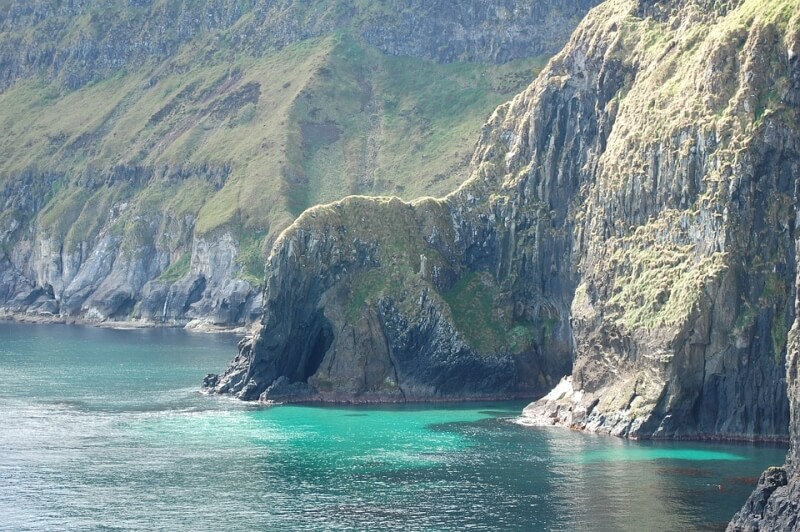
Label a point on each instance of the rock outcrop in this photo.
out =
(775, 503)
(372, 300)
(630, 220)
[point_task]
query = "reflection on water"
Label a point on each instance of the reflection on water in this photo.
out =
(107, 428)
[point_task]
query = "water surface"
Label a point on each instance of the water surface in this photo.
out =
(106, 429)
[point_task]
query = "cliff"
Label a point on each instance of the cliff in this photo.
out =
(775, 503)
(152, 152)
(630, 221)
(687, 256)
(81, 41)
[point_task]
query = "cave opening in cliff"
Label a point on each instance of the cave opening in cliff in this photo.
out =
(320, 344)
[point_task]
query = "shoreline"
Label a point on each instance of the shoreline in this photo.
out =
(197, 326)
(767, 441)
(201, 326)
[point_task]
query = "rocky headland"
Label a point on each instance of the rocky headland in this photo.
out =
(629, 223)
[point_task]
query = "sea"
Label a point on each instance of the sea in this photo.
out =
(105, 429)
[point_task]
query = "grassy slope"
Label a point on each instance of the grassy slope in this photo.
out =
(333, 117)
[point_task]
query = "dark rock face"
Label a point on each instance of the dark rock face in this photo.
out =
(631, 216)
(775, 503)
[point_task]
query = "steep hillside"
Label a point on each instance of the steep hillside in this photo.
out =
(630, 220)
(152, 151)
(687, 256)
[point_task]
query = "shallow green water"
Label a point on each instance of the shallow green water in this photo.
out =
(102, 428)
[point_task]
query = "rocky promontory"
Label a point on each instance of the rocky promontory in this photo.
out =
(630, 221)
(370, 300)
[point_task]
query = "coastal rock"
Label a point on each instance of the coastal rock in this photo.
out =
(352, 314)
(775, 503)
(772, 506)
(630, 220)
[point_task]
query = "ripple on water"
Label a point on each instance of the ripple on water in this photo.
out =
(638, 454)
(125, 440)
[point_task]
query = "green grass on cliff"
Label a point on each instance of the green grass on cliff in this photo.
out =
(372, 124)
(658, 284)
(676, 49)
(308, 124)
(473, 303)
(177, 269)
(250, 259)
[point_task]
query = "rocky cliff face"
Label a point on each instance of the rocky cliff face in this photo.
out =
(687, 255)
(83, 40)
(115, 259)
(775, 503)
(153, 151)
(630, 220)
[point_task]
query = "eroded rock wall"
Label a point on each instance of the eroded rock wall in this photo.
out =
(631, 218)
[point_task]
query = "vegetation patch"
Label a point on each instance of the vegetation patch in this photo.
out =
(251, 257)
(473, 306)
(659, 284)
(366, 289)
(779, 333)
(177, 270)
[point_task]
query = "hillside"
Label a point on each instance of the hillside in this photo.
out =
(152, 151)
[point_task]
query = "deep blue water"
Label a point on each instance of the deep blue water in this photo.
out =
(104, 429)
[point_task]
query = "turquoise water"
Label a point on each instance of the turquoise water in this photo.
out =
(106, 429)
